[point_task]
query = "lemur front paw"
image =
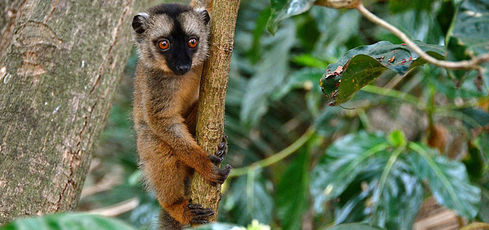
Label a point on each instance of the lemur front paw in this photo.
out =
(222, 149)
(199, 215)
(220, 175)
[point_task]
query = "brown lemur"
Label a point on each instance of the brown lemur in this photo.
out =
(172, 41)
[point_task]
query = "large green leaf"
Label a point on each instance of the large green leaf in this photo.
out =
(471, 25)
(249, 200)
(478, 121)
(419, 25)
(403, 5)
(270, 74)
(292, 192)
(343, 161)
(338, 31)
(397, 200)
(360, 66)
(354, 226)
(469, 32)
(282, 9)
(447, 179)
(305, 78)
(484, 211)
(67, 221)
(379, 180)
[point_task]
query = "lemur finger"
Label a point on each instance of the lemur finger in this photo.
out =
(222, 145)
(223, 174)
(215, 159)
(203, 212)
(194, 206)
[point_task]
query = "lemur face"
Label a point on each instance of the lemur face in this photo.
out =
(172, 37)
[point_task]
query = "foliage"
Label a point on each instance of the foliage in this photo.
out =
(68, 221)
(405, 130)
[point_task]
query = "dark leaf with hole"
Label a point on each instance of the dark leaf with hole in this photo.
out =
(360, 66)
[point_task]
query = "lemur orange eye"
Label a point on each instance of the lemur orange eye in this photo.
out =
(192, 43)
(164, 44)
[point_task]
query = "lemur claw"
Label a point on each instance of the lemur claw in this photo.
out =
(218, 157)
(200, 215)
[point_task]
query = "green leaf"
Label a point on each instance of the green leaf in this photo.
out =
(68, 221)
(484, 211)
(304, 78)
(403, 5)
(483, 144)
(416, 24)
(308, 60)
(343, 161)
(249, 200)
(397, 138)
(354, 226)
(362, 65)
(475, 118)
(471, 26)
(469, 32)
(292, 192)
(447, 179)
(386, 194)
(270, 74)
(371, 179)
(282, 9)
(398, 197)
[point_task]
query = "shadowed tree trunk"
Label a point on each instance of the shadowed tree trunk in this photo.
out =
(60, 64)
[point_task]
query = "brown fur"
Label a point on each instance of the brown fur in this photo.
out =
(164, 116)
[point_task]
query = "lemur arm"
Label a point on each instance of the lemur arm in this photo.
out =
(166, 122)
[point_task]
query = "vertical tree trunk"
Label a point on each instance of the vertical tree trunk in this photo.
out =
(60, 65)
(210, 121)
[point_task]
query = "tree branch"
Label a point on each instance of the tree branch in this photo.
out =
(210, 118)
(469, 64)
(357, 4)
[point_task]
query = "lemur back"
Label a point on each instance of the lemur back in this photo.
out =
(172, 41)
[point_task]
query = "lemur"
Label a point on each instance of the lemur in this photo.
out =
(172, 41)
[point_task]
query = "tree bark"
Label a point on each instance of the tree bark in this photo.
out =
(210, 120)
(60, 65)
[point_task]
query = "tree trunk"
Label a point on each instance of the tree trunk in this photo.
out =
(60, 65)
(210, 120)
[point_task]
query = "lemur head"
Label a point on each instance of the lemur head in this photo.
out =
(172, 37)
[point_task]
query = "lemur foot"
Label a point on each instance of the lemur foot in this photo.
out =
(200, 215)
(221, 175)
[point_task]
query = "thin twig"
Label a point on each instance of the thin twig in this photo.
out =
(117, 209)
(468, 64)
(275, 157)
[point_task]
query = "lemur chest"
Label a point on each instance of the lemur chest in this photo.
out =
(188, 93)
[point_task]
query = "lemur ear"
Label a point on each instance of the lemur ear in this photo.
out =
(205, 16)
(139, 22)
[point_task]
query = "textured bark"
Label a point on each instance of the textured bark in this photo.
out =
(210, 121)
(60, 64)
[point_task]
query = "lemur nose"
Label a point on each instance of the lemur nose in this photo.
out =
(183, 68)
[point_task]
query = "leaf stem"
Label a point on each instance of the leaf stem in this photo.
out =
(466, 64)
(275, 157)
(392, 93)
(385, 173)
